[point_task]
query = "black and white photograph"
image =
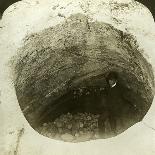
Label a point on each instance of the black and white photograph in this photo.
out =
(77, 77)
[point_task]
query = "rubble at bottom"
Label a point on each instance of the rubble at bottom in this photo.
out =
(72, 127)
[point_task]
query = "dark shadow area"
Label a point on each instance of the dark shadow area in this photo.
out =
(150, 4)
(4, 4)
(115, 110)
(120, 105)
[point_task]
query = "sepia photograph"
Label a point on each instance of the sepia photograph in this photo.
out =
(77, 77)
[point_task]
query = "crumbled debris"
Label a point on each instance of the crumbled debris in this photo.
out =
(72, 127)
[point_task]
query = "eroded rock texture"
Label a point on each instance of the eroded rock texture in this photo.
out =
(78, 54)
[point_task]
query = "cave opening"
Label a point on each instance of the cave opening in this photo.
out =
(91, 108)
(116, 108)
(64, 89)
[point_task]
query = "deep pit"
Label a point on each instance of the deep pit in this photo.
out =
(63, 71)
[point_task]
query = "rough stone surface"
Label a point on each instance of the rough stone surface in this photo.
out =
(46, 67)
(72, 127)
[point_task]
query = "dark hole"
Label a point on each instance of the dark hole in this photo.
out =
(120, 106)
(104, 80)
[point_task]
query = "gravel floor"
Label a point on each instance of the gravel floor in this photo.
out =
(72, 128)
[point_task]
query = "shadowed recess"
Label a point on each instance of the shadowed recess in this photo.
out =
(64, 69)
